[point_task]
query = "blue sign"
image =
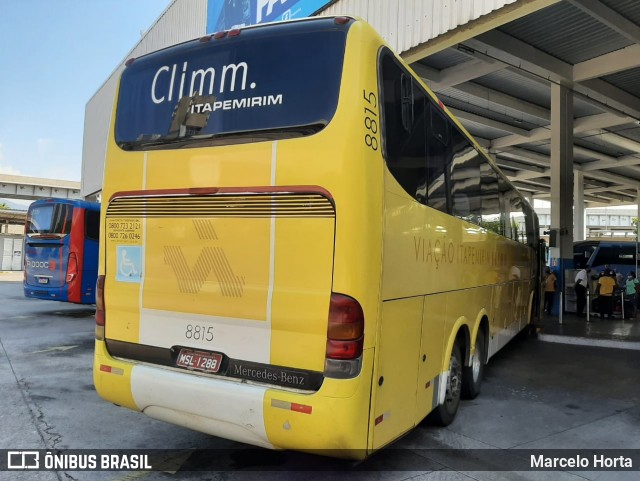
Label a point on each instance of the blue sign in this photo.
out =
(226, 14)
(129, 263)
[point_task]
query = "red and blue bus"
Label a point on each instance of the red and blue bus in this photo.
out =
(61, 250)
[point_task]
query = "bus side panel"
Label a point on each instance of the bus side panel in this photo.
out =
(76, 246)
(396, 373)
(522, 290)
(405, 249)
(467, 306)
(505, 304)
(89, 271)
(431, 352)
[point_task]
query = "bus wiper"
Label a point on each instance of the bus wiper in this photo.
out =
(277, 133)
(157, 140)
(145, 141)
(184, 118)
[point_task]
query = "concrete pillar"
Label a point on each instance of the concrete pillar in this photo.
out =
(637, 229)
(561, 254)
(578, 206)
(638, 215)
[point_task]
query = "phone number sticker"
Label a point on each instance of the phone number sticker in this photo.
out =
(124, 231)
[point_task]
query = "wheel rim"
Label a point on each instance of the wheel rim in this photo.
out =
(477, 362)
(454, 382)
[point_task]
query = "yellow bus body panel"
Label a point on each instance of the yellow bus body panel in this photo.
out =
(113, 387)
(335, 425)
(396, 371)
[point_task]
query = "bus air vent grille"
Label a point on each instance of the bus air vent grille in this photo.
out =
(223, 205)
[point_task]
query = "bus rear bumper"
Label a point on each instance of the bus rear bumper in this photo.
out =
(239, 411)
(227, 409)
(46, 293)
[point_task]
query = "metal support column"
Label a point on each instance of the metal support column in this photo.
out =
(578, 206)
(561, 252)
(637, 228)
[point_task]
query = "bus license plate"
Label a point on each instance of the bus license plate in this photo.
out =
(199, 360)
(43, 280)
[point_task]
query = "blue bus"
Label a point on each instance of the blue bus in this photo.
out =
(61, 250)
(621, 256)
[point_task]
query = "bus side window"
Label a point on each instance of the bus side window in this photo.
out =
(604, 255)
(626, 255)
(92, 225)
(517, 219)
(438, 160)
(406, 101)
(491, 213)
(530, 226)
(614, 254)
(466, 196)
(403, 124)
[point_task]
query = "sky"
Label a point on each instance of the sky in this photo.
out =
(54, 55)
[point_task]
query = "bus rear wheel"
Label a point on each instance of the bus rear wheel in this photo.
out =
(472, 375)
(444, 414)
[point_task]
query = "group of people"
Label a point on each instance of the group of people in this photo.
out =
(609, 284)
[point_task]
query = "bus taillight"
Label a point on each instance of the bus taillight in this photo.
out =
(346, 319)
(345, 337)
(100, 314)
(344, 350)
(72, 267)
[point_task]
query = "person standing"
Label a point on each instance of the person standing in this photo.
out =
(630, 289)
(550, 287)
(606, 287)
(581, 286)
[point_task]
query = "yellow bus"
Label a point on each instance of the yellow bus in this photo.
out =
(302, 249)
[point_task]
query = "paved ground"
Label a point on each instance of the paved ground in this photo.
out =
(536, 395)
(616, 329)
(11, 276)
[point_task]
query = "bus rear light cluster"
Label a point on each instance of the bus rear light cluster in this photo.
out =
(345, 338)
(100, 314)
(72, 267)
(234, 32)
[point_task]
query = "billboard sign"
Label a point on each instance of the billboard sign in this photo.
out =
(226, 14)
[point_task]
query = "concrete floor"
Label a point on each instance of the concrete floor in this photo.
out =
(536, 395)
(616, 333)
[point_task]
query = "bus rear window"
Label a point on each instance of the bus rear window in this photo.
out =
(266, 83)
(52, 219)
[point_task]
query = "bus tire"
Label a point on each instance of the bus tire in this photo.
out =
(472, 375)
(445, 413)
